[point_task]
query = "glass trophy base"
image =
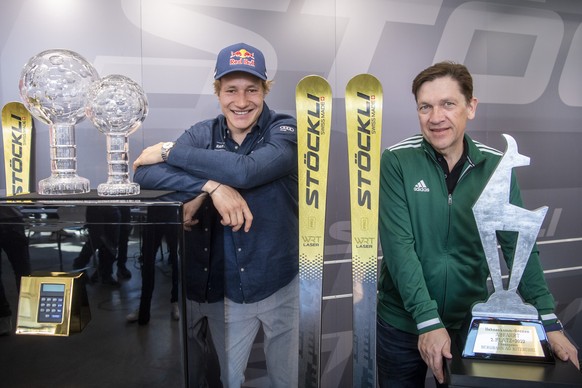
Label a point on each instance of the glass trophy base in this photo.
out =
(63, 185)
(117, 189)
(507, 339)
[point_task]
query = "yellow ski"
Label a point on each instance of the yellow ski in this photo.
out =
(17, 137)
(313, 105)
(364, 131)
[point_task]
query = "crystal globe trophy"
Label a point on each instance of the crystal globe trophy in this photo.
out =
(117, 106)
(53, 87)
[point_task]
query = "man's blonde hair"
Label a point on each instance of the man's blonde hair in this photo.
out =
(266, 86)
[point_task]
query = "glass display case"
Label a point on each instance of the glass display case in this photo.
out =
(99, 238)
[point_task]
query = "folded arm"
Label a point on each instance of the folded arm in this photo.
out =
(276, 158)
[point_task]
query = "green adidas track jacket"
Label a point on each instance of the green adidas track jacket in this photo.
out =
(434, 267)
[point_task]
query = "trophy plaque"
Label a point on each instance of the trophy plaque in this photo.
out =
(117, 106)
(505, 327)
(53, 87)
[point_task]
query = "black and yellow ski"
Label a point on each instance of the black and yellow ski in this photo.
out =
(364, 130)
(17, 138)
(313, 105)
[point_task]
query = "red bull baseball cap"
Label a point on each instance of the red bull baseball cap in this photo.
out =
(240, 57)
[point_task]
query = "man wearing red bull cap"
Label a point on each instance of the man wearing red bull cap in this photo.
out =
(241, 242)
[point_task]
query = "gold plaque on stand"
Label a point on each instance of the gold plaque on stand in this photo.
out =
(53, 304)
(507, 339)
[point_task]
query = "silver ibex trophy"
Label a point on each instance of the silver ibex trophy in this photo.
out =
(505, 327)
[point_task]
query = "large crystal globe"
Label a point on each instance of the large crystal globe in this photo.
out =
(53, 87)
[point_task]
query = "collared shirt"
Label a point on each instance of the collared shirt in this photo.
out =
(263, 168)
(451, 177)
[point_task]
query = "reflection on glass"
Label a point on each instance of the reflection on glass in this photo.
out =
(115, 231)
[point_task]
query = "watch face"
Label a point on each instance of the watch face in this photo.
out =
(167, 145)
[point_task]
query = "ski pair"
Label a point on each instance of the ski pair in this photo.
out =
(363, 102)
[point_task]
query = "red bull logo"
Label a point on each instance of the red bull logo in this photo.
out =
(242, 57)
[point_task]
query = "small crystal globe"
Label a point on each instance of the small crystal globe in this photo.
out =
(117, 106)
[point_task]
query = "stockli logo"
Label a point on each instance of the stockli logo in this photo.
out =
(242, 57)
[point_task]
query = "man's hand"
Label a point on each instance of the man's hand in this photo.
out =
(230, 205)
(150, 155)
(563, 348)
(433, 346)
(190, 209)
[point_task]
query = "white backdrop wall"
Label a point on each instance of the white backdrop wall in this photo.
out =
(526, 59)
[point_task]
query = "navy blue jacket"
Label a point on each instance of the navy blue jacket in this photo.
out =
(249, 266)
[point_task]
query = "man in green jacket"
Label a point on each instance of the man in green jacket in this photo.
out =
(434, 266)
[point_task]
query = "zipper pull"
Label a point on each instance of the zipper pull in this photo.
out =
(450, 199)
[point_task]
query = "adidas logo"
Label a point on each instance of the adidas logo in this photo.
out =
(421, 186)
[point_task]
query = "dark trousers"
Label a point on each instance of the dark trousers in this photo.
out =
(14, 243)
(398, 359)
(109, 231)
(153, 234)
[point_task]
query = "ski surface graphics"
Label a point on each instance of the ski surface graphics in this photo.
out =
(313, 105)
(17, 138)
(364, 131)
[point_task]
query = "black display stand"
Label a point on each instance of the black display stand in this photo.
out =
(90, 196)
(148, 209)
(464, 372)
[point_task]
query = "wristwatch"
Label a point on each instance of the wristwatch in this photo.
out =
(166, 147)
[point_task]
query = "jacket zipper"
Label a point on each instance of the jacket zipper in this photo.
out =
(471, 164)
(465, 171)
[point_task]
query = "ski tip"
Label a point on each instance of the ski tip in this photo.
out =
(313, 84)
(365, 80)
(312, 77)
(13, 104)
(311, 80)
(15, 110)
(364, 76)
